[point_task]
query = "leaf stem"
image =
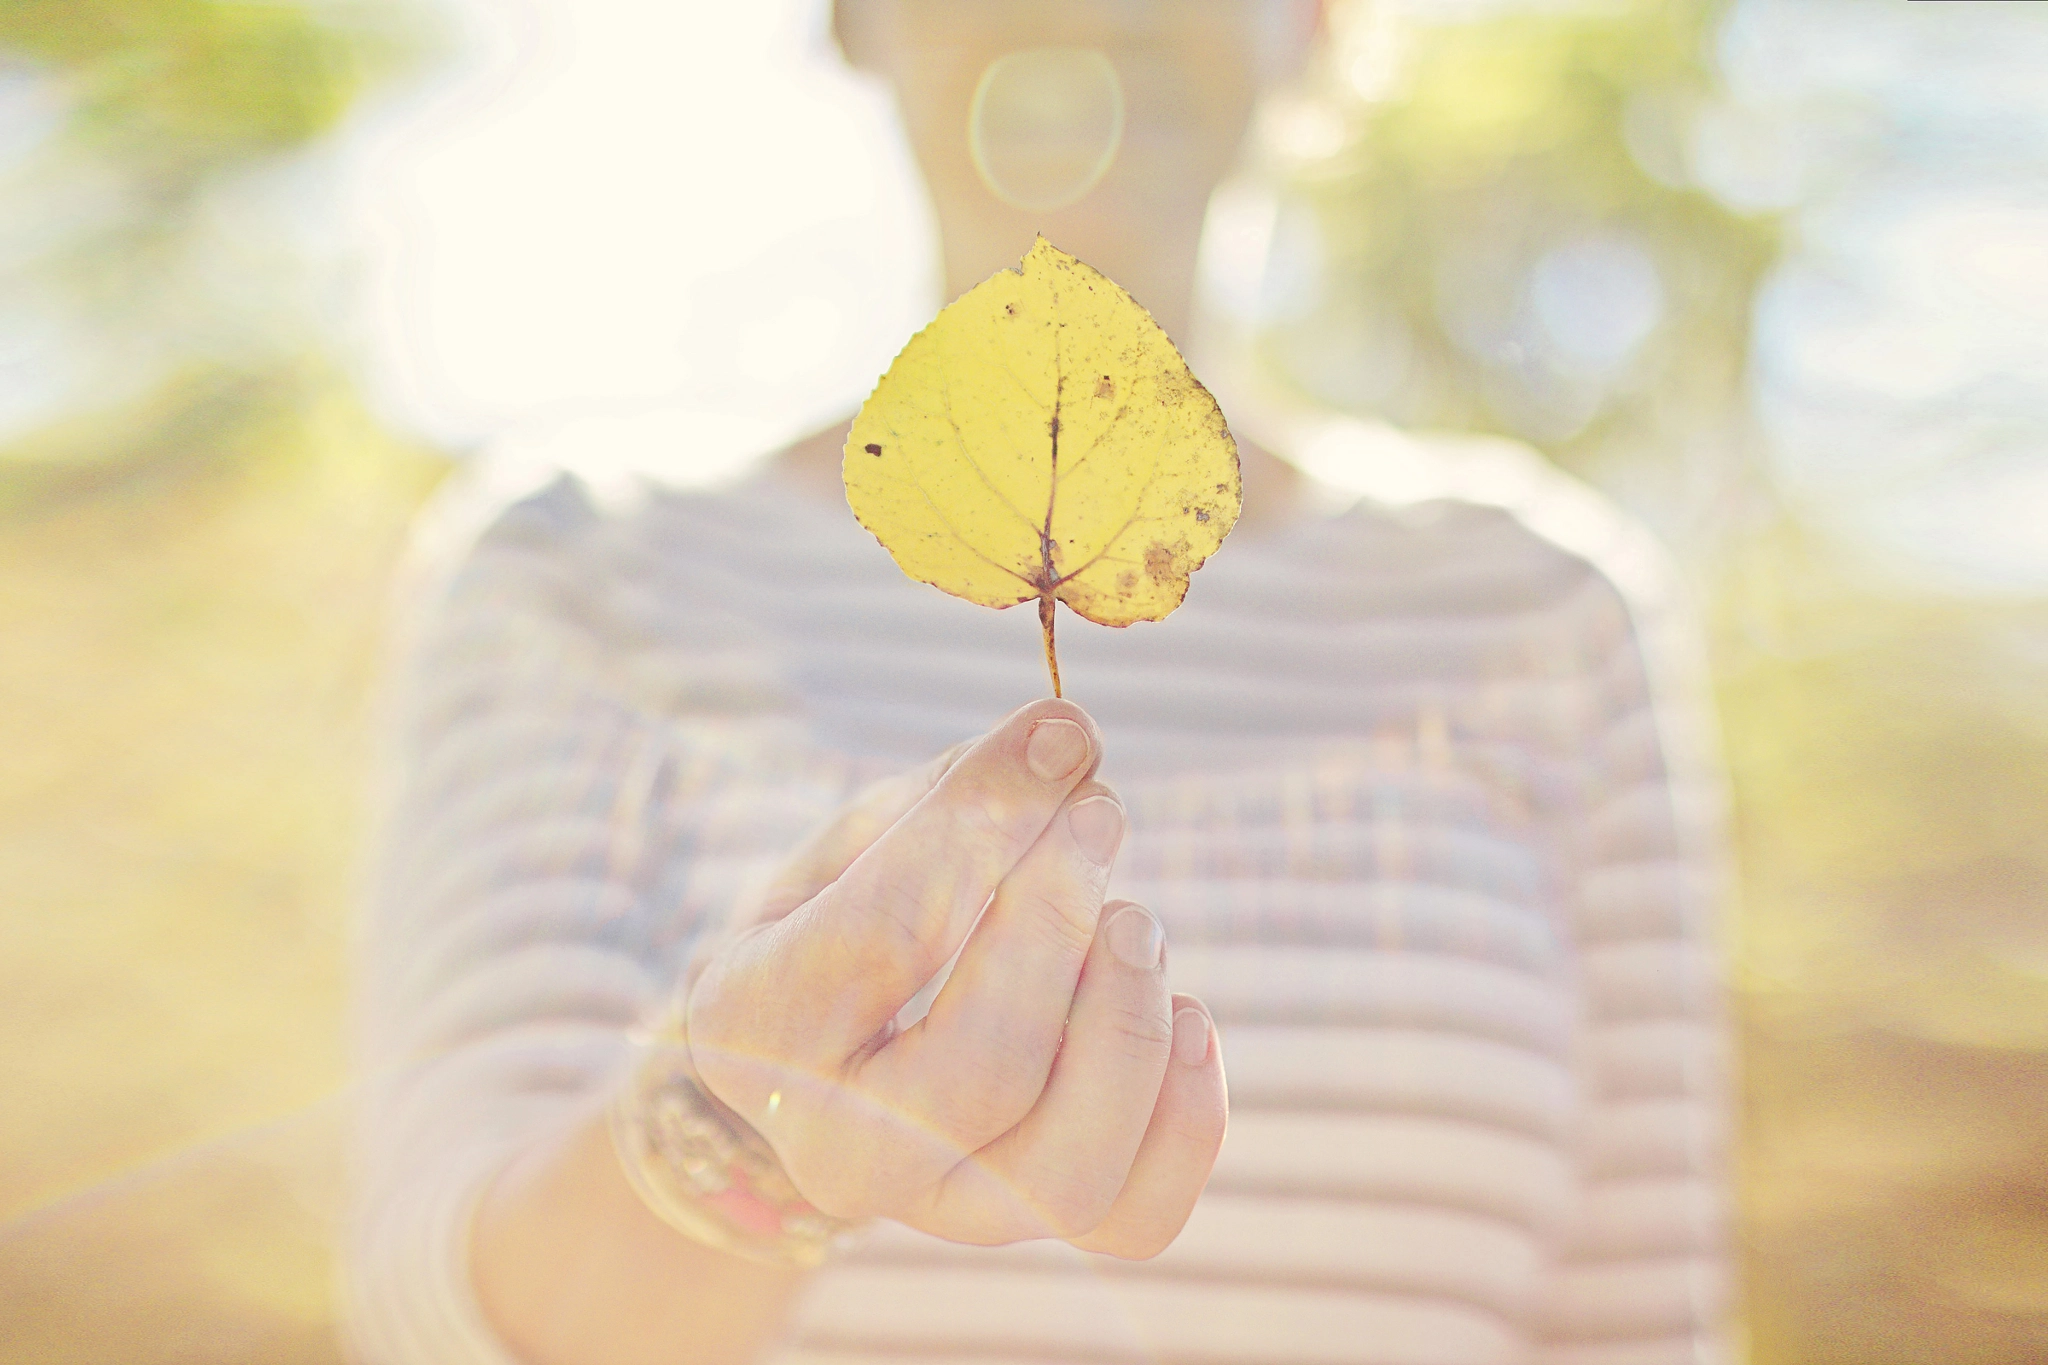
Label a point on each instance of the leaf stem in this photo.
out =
(1052, 654)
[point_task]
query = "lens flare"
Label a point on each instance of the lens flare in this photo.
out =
(1045, 125)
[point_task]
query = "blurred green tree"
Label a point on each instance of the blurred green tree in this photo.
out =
(150, 274)
(1509, 241)
(190, 84)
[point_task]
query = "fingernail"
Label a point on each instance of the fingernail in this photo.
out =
(1135, 937)
(1191, 1037)
(1056, 750)
(1098, 827)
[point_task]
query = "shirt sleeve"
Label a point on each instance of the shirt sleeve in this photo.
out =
(1644, 1278)
(547, 858)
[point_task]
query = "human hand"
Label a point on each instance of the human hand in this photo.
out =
(1054, 1089)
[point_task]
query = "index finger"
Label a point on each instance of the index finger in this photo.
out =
(867, 943)
(821, 859)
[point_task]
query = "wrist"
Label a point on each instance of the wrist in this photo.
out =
(572, 1268)
(704, 1170)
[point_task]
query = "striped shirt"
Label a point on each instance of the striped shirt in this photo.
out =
(1397, 789)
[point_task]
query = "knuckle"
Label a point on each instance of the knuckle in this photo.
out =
(1063, 923)
(1022, 1055)
(893, 927)
(984, 817)
(1141, 1032)
(896, 917)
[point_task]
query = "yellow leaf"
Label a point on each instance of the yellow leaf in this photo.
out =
(1043, 440)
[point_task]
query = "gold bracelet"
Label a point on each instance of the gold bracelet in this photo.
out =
(706, 1172)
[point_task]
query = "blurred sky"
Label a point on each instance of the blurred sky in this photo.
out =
(602, 231)
(620, 227)
(1899, 364)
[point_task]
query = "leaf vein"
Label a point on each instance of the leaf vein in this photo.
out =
(1137, 515)
(946, 376)
(954, 531)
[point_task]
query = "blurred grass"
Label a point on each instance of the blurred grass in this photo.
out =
(1889, 752)
(191, 634)
(221, 1253)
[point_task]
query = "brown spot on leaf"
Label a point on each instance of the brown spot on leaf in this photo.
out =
(1126, 581)
(873, 449)
(1162, 563)
(1106, 388)
(1201, 514)
(1010, 310)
